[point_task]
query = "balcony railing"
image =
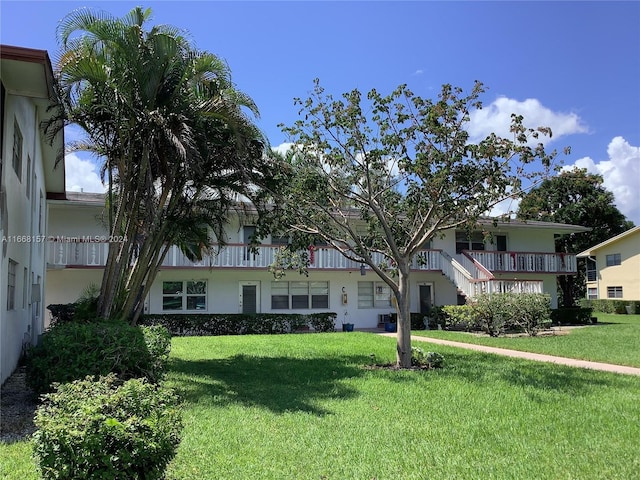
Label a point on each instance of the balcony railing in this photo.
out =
(77, 253)
(526, 262)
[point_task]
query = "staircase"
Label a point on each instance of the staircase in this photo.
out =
(471, 278)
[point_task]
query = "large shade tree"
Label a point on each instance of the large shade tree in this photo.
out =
(176, 136)
(377, 178)
(579, 198)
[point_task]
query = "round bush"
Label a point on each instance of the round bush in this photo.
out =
(71, 351)
(107, 429)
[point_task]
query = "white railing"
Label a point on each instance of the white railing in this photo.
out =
(460, 277)
(76, 252)
(512, 286)
(533, 262)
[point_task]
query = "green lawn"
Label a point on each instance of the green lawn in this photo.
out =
(305, 407)
(614, 339)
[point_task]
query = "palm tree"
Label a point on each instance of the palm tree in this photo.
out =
(173, 132)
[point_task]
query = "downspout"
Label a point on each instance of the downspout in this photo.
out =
(591, 257)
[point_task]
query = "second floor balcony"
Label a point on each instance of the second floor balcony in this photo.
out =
(78, 253)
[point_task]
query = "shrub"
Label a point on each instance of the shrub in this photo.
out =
(605, 305)
(420, 358)
(499, 312)
(322, 322)
(531, 312)
(571, 316)
(71, 351)
(239, 324)
(491, 313)
(416, 319)
(105, 429)
(82, 311)
(460, 317)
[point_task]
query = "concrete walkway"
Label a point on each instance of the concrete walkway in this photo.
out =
(571, 362)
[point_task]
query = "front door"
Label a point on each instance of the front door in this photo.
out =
(425, 299)
(249, 297)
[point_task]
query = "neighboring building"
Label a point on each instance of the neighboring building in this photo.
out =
(521, 258)
(28, 177)
(613, 267)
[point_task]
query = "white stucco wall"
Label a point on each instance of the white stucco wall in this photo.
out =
(23, 234)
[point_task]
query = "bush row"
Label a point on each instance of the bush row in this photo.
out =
(240, 324)
(496, 314)
(605, 305)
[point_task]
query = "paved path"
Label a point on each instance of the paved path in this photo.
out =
(571, 362)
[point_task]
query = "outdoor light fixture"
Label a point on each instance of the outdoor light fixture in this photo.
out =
(362, 270)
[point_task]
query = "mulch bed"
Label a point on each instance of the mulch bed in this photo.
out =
(18, 404)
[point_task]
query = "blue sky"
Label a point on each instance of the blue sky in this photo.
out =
(573, 66)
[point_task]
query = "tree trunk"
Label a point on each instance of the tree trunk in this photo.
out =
(403, 353)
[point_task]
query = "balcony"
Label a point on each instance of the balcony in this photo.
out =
(525, 262)
(78, 253)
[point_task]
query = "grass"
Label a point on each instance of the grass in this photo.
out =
(614, 339)
(306, 407)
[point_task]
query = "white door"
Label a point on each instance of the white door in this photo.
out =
(249, 297)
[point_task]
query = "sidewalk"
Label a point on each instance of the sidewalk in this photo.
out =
(571, 362)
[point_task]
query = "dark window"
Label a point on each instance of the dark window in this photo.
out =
(614, 292)
(466, 241)
(17, 150)
(614, 259)
(11, 285)
(299, 295)
(187, 295)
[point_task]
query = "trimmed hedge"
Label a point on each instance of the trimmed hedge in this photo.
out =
(605, 305)
(240, 324)
(71, 351)
(571, 316)
(417, 320)
(106, 429)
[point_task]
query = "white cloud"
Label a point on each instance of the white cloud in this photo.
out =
(621, 173)
(82, 175)
(283, 148)
(418, 72)
(496, 118)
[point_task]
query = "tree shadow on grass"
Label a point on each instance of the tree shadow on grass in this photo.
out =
(279, 384)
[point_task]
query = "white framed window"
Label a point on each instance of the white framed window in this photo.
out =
(374, 295)
(299, 295)
(187, 295)
(614, 259)
(16, 160)
(614, 292)
(592, 293)
(466, 241)
(11, 285)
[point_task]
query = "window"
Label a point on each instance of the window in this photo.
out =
(373, 295)
(592, 272)
(17, 150)
(299, 295)
(466, 241)
(11, 285)
(614, 259)
(184, 295)
(592, 293)
(25, 287)
(28, 176)
(278, 240)
(614, 292)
